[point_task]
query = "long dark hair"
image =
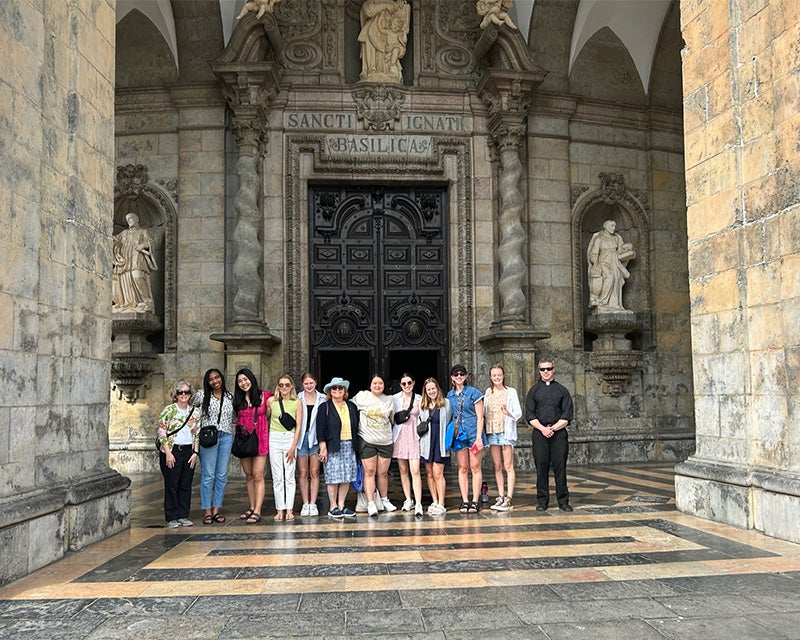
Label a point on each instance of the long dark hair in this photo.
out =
(239, 397)
(207, 392)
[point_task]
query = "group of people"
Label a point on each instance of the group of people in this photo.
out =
(354, 440)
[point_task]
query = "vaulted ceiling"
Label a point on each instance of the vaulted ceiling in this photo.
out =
(637, 24)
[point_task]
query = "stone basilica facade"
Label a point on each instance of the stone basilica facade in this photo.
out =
(345, 187)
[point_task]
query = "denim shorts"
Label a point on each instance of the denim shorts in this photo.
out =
(499, 440)
(305, 450)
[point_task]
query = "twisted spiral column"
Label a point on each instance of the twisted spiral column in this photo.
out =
(248, 261)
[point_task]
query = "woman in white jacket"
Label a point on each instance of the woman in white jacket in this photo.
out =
(308, 451)
(502, 410)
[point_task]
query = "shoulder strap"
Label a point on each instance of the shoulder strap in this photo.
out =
(174, 431)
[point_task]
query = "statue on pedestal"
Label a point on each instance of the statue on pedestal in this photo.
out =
(608, 259)
(133, 263)
(383, 38)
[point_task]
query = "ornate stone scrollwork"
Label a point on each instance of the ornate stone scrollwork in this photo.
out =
(131, 179)
(130, 374)
(379, 106)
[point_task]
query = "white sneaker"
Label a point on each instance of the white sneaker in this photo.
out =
(497, 502)
(305, 510)
(506, 505)
(387, 505)
(432, 508)
(408, 505)
(173, 524)
(438, 509)
(185, 522)
(372, 510)
(418, 509)
(313, 510)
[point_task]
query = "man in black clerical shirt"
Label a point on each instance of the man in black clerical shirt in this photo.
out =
(548, 409)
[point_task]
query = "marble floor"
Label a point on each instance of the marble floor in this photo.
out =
(624, 565)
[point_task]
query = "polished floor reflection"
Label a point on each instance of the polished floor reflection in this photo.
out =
(624, 564)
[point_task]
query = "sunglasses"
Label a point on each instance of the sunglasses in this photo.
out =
(337, 388)
(405, 384)
(545, 368)
(460, 374)
(183, 392)
(284, 384)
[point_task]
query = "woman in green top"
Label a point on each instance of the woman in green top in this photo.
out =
(285, 413)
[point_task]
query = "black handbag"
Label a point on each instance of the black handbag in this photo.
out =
(209, 434)
(423, 427)
(174, 431)
(404, 414)
(286, 419)
(245, 445)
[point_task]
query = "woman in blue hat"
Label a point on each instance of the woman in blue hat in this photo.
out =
(337, 434)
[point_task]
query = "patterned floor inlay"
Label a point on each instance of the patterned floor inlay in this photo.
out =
(406, 577)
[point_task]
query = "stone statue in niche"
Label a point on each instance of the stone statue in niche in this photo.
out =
(383, 38)
(261, 6)
(133, 263)
(495, 11)
(608, 259)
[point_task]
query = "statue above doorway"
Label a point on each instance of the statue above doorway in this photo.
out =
(383, 38)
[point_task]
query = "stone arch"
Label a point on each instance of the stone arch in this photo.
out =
(156, 209)
(605, 70)
(612, 200)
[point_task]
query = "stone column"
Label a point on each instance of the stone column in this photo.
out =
(248, 252)
(512, 340)
(740, 69)
(248, 89)
(507, 97)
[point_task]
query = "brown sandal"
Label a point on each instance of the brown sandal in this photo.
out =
(254, 518)
(246, 514)
(208, 519)
(218, 518)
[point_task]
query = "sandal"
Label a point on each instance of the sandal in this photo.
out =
(208, 519)
(473, 507)
(218, 518)
(278, 516)
(464, 508)
(247, 514)
(289, 515)
(254, 518)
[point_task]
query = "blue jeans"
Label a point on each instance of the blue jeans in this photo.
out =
(214, 468)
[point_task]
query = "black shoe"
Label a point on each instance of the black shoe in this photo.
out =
(541, 507)
(565, 507)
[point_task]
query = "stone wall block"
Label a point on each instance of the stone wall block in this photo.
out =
(717, 292)
(758, 115)
(764, 284)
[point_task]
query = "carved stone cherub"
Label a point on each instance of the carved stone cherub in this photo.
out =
(262, 6)
(495, 11)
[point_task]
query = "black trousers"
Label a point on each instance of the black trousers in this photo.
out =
(177, 483)
(549, 452)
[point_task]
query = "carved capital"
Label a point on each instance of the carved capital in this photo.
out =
(507, 96)
(378, 106)
(249, 132)
(615, 369)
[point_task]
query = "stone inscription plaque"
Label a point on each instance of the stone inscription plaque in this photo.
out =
(379, 145)
(422, 122)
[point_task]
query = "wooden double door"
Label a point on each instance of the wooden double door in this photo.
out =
(378, 283)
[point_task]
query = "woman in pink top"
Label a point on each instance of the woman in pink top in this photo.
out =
(250, 404)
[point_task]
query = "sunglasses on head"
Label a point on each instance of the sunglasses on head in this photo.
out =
(545, 368)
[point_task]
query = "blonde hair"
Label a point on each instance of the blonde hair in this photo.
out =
(292, 391)
(436, 403)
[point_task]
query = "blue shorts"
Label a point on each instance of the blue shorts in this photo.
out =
(305, 450)
(499, 440)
